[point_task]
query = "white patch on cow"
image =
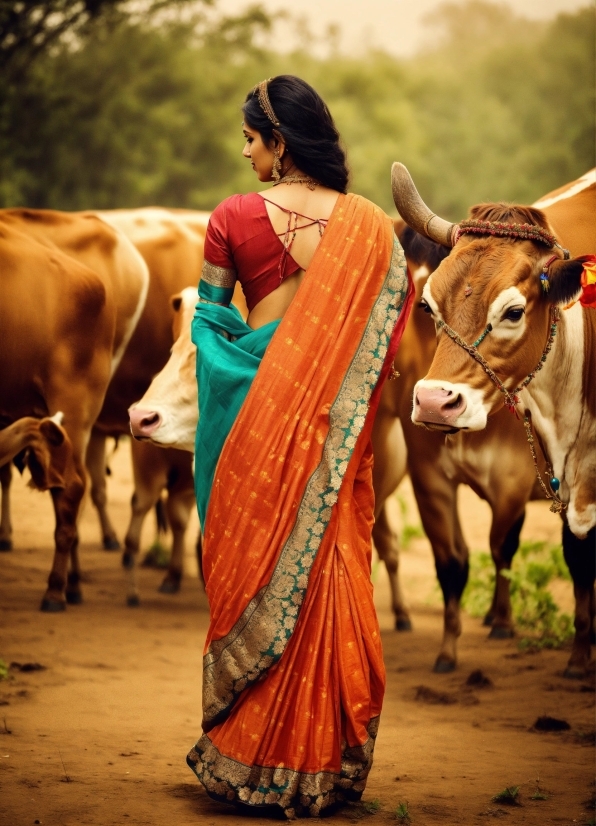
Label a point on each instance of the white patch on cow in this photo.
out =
(475, 415)
(589, 179)
(57, 418)
(560, 416)
(173, 392)
(153, 223)
(504, 328)
(420, 273)
(428, 297)
(141, 271)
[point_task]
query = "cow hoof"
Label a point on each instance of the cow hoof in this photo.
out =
(128, 560)
(169, 586)
(403, 624)
(133, 601)
(52, 606)
(498, 632)
(444, 665)
(74, 597)
(5, 544)
(574, 672)
(110, 543)
(488, 619)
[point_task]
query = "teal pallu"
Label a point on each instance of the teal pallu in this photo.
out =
(229, 353)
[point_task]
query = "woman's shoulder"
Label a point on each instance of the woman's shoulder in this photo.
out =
(237, 204)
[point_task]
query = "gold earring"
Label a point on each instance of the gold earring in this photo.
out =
(276, 168)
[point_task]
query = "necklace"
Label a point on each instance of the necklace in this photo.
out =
(297, 179)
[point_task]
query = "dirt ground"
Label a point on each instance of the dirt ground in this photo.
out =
(100, 735)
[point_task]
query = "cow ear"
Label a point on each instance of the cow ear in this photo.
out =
(176, 302)
(52, 432)
(564, 280)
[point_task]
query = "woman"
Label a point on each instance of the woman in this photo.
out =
(293, 673)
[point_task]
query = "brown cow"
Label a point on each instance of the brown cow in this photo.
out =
(65, 324)
(171, 242)
(42, 445)
(504, 338)
(493, 463)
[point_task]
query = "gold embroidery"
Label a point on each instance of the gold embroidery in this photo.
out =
(218, 276)
(296, 793)
(262, 631)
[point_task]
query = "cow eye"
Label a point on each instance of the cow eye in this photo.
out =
(424, 306)
(514, 314)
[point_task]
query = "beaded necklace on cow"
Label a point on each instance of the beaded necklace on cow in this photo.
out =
(532, 233)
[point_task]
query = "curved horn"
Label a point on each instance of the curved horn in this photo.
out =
(414, 211)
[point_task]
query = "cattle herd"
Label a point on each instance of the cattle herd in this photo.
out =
(95, 320)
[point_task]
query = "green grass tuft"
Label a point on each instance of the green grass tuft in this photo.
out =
(402, 813)
(3, 670)
(535, 612)
(509, 796)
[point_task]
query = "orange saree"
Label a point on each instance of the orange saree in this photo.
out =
(293, 674)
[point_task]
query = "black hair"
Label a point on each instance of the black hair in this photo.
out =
(306, 126)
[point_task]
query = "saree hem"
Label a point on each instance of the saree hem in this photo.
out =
(278, 789)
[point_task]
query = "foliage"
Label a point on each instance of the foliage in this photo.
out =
(535, 612)
(30, 27)
(137, 109)
(509, 796)
(373, 806)
(402, 813)
(3, 670)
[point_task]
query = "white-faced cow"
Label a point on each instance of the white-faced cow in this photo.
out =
(73, 289)
(171, 242)
(506, 335)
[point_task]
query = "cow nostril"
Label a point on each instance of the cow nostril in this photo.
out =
(148, 421)
(457, 402)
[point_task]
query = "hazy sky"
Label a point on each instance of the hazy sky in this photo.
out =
(393, 25)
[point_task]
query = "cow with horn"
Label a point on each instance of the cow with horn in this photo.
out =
(508, 335)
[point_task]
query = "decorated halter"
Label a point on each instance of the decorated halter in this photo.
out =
(532, 233)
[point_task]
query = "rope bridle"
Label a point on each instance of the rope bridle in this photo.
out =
(511, 398)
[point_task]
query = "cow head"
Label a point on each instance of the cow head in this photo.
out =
(168, 413)
(489, 292)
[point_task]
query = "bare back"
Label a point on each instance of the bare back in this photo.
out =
(302, 232)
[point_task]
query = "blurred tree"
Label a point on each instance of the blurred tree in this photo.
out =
(133, 113)
(30, 27)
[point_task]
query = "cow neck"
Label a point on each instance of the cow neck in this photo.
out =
(512, 398)
(554, 400)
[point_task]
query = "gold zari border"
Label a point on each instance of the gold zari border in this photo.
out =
(295, 793)
(218, 276)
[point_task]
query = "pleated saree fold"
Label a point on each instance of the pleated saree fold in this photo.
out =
(293, 675)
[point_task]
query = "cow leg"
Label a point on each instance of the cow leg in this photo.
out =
(96, 465)
(389, 468)
(387, 545)
(437, 503)
(149, 483)
(579, 556)
(181, 500)
(504, 542)
(66, 503)
(5, 523)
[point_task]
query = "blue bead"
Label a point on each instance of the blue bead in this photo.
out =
(555, 484)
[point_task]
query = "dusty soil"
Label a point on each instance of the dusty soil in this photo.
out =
(99, 736)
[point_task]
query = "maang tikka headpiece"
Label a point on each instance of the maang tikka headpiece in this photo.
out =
(261, 91)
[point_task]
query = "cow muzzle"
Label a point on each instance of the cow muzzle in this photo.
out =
(448, 407)
(143, 423)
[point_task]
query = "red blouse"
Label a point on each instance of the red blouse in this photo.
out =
(242, 241)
